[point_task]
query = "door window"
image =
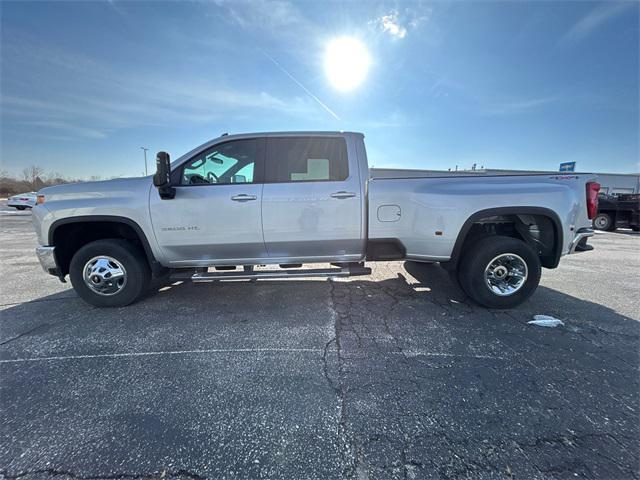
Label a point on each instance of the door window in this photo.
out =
(306, 159)
(230, 162)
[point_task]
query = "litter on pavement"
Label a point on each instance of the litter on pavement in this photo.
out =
(545, 321)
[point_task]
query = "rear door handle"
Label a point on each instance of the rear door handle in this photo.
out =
(243, 197)
(343, 194)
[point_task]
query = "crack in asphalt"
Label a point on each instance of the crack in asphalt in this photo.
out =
(379, 303)
(370, 325)
(39, 300)
(23, 334)
(407, 467)
(46, 325)
(53, 472)
(342, 307)
(350, 452)
(325, 366)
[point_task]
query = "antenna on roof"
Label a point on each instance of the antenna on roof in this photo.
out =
(224, 134)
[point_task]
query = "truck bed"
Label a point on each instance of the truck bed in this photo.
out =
(425, 211)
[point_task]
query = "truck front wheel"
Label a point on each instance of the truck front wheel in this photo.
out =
(109, 273)
(499, 272)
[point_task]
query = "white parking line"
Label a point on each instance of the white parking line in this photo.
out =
(407, 353)
(170, 352)
(422, 353)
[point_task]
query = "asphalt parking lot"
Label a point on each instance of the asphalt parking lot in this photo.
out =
(393, 375)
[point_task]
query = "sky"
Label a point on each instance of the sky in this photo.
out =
(516, 85)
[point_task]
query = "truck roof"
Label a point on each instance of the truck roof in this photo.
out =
(234, 136)
(291, 132)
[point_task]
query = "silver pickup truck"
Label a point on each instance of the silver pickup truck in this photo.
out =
(288, 199)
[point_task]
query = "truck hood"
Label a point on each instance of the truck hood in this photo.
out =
(101, 189)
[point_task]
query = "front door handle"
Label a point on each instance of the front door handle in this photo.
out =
(243, 197)
(343, 194)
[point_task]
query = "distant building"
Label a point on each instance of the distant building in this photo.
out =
(616, 183)
(610, 183)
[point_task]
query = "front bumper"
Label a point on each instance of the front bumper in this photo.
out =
(47, 258)
(579, 243)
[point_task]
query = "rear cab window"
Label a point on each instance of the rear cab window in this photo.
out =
(306, 159)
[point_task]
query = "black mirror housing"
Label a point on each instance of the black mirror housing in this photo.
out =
(163, 169)
(162, 177)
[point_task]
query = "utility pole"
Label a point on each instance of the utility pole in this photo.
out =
(146, 172)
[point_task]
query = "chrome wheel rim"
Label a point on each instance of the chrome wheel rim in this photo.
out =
(104, 275)
(506, 274)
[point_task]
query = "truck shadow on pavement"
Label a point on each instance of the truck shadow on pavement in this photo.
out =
(401, 377)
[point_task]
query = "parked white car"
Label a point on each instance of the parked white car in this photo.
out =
(22, 201)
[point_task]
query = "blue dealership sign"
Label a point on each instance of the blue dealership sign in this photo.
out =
(568, 167)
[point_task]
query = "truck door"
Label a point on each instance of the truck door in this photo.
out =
(311, 204)
(215, 217)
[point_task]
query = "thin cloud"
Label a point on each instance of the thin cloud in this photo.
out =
(397, 24)
(518, 107)
(593, 20)
(277, 17)
(96, 115)
(390, 24)
(88, 99)
(76, 130)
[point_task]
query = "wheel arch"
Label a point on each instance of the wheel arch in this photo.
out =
(549, 261)
(101, 227)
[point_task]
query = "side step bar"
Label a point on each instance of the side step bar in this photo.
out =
(350, 271)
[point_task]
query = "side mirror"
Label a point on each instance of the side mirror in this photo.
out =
(238, 179)
(162, 177)
(163, 169)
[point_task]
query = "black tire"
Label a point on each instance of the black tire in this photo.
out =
(133, 260)
(604, 221)
(635, 228)
(20, 208)
(471, 271)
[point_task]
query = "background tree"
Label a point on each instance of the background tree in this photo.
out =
(32, 176)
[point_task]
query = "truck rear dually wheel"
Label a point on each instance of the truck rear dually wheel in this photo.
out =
(499, 272)
(109, 273)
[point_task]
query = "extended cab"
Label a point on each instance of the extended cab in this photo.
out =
(287, 199)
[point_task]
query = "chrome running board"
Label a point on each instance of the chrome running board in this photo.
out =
(271, 274)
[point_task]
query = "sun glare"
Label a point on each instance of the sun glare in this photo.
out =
(346, 63)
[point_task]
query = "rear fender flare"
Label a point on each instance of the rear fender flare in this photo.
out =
(558, 234)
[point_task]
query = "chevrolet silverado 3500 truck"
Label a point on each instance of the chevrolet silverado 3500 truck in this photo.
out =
(287, 199)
